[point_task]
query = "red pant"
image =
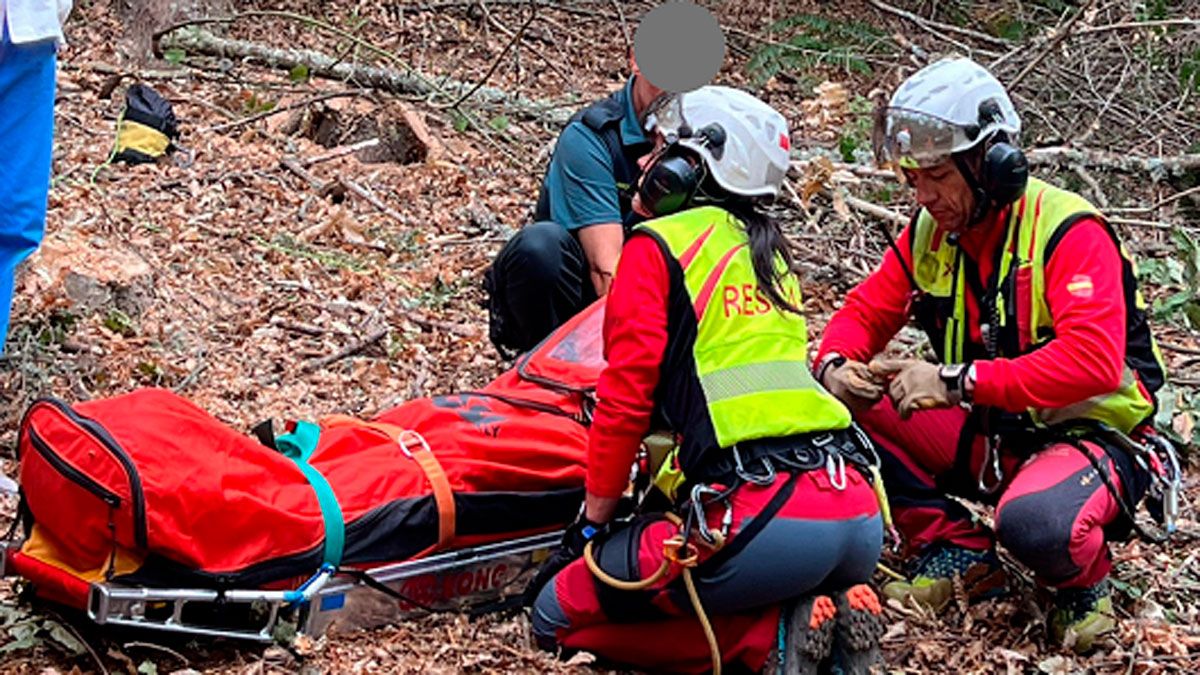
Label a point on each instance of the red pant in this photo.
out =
(822, 539)
(1051, 509)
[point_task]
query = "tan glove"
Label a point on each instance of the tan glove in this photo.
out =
(913, 385)
(853, 384)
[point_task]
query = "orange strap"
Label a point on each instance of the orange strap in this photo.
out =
(443, 495)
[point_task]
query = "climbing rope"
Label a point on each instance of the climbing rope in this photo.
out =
(672, 549)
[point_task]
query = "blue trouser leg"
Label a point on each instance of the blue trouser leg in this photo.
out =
(27, 83)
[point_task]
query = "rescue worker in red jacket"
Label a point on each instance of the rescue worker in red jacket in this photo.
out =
(1031, 303)
(704, 336)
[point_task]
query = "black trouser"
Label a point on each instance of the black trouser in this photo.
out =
(538, 281)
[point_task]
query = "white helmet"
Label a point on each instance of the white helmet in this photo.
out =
(743, 141)
(944, 108)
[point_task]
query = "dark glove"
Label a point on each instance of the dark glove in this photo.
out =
(574, 539)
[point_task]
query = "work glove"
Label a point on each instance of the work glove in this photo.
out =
(913, 385)
(853, 384)
(575, 538)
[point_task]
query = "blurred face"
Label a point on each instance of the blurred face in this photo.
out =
(944, 192)
(643, 91)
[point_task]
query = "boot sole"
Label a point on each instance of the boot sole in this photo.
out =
(858, 630)
(807, 648)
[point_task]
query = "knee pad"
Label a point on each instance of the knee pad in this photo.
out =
(617, 555)
(1038, 534)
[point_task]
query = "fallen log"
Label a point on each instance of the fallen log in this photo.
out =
(197, 41)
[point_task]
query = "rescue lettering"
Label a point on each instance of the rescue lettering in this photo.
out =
(748, 300)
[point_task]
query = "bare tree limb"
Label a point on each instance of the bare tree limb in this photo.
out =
(385, 79)
(929, 23)
(350, 350)
(1062, 35)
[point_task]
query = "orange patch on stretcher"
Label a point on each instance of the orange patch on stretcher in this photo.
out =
(1081, 286)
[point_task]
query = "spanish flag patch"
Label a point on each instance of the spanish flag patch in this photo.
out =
(1080, 286)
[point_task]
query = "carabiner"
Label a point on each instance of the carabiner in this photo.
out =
(760, 480)
(991, 456)
(835, 466)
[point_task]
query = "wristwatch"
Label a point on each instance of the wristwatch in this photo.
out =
(831, 360)
(954, 376)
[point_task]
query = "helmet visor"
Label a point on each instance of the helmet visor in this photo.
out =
(665, 116)
(911, 139)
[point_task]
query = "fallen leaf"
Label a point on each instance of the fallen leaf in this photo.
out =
(581, 659)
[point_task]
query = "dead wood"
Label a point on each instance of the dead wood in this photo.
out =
(199, 41)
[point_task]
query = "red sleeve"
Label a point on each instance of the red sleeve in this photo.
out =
(635, 338)
(1086, 357)
(874, 310)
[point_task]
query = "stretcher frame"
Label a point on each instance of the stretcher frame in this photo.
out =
(476, 580)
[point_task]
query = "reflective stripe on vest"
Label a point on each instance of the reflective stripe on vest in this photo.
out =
(938, 270)
(751, 357)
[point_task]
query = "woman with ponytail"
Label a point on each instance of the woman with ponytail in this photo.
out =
(771, 526)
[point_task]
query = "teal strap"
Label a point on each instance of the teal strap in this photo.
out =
(299, 446)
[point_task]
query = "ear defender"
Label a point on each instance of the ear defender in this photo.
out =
(669, 184)
(1005, 173)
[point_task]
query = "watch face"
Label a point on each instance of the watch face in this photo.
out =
(951, 373)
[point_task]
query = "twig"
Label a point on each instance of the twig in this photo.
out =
(375, 201)
(1097, 191)
(290, 164)
(1171, 347)
(297, 327)
(876, 210)
(340, 152)
(800, 50)
(624, 26)
(1163, 23)
(1135, 222)
(1062, 35)
(191, 377)
(350, 350)
(533, 48)
(96, 657)
(282, 109)
(1160, 203)
(929, 23)
(495, 63)
(1121, 161)
(1186, 382)
(446, 326)
(159, 648)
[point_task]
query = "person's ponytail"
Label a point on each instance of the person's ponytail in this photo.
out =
(766, 242)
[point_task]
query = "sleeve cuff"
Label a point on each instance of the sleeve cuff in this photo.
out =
(986, 392)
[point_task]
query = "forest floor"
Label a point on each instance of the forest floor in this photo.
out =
(222, 274)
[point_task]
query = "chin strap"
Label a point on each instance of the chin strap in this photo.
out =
(982, 202)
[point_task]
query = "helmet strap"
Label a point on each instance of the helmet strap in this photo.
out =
(982, 204)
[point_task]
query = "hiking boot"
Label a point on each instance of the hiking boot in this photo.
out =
(932, 583)
(805, 637)
(858, 629)
(1082, 615)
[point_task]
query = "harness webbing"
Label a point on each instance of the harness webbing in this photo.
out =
(299, 446)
